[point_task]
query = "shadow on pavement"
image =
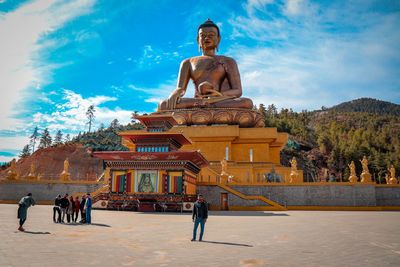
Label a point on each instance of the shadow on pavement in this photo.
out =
(227, 243)
(246, 213)
(101, 224)
(36, 233)
(223, 213)
(84, 224)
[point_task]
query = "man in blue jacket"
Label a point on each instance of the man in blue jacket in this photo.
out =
(199, 216)
(23, 206)
(88, 209)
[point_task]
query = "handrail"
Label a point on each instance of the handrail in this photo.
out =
(243, 196)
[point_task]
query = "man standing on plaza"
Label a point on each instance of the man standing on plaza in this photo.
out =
(57, 209)
(23, 206)
(199, 216)
(88, 209)
(64, 203)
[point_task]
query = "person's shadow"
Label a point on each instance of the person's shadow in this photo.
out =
(36, 233)
(227, 243)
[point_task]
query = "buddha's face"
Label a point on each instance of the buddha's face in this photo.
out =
(208, 38)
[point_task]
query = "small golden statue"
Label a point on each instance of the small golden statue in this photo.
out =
(224, 166)
(365, 175)
(12, 172)
(32, 175)
(224, 171)
(353, 176)
(65, 176)
(294, 174)
(392, 178)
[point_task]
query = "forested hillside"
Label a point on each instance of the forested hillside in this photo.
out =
(323, 141)
(331, 138)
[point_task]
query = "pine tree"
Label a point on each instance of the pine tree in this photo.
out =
(114, 124)
(45, 139)
(133, 117)
(90, 115)
(101, 127)
(58, 139)
(33, 138)
(25, 152)
(67, 138)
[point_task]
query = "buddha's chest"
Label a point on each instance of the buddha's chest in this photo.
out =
(210, 67)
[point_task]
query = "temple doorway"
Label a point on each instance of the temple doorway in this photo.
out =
(224, 201)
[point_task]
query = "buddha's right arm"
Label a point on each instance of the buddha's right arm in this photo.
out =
(183, 80)
(183, 76)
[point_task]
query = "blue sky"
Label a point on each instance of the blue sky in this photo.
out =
(59, 57)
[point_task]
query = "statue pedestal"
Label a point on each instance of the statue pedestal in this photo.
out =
(31, 176)
(252, 153)
(366, 177)
(65, 176)
(245, 118)
(11, 175)
(353, 179)
(294, 177)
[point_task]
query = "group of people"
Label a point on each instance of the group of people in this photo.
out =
(71, 207)
(68, 206)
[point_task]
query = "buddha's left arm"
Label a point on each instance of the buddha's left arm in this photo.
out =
(233, 77)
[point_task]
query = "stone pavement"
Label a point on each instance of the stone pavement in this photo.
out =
(291, 238)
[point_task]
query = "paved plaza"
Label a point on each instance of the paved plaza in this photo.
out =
(291, 238)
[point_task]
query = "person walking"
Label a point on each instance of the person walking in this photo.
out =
(88, 209)
(23, 206)
(70, 209)
(77, 208)
(199, 216)
(82, 208)
(57, 209)
(64, 206)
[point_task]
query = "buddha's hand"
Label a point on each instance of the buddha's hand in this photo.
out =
(174, 98)
(207, 89)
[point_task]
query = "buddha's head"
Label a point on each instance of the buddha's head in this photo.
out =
(208, 35)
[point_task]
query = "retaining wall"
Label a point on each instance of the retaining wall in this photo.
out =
(43, 191)
(346, 195)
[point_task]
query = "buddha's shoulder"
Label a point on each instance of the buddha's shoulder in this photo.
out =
(225, 59)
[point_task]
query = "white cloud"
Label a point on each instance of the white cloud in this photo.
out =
(23, 34)
(318, 59)
(70, 115)
(12, 143)
(293, 7)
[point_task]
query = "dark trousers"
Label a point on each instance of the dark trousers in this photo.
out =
(89, 215)
(58, 211)
(196, 225)
(21, 222)
(83, 216)
(75, 215)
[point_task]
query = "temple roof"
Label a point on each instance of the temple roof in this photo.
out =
(137, 136)
(193, 156)
(155, 121)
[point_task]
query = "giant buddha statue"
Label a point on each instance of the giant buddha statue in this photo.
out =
(218, 88)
